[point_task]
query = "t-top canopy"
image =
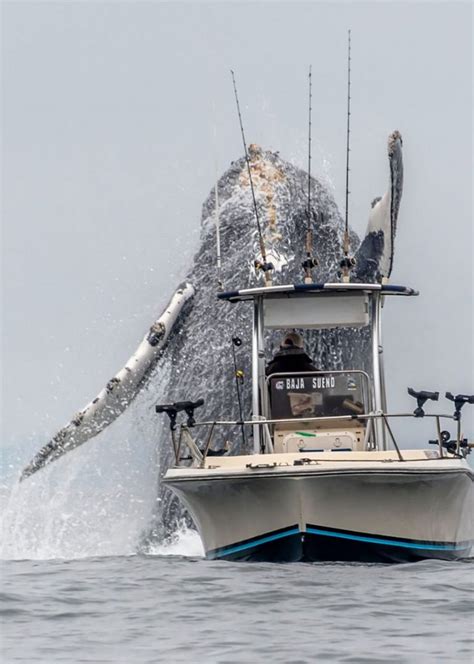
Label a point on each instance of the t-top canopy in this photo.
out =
(327, 289)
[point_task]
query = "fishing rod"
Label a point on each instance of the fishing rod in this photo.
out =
(218, 235)
(348, 134)
(259, 265)
(310, 262)
(348, 262)
(239, 377)
(216, 206)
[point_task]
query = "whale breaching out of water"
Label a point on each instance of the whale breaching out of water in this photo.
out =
(185, 353)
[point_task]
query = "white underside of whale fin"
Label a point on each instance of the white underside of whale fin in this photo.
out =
(375, 254)
(379, 221)
(119, 391)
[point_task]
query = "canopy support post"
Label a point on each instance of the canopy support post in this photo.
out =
(377, 369)
(258, 370)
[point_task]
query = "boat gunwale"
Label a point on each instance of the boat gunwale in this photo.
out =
(289, 472)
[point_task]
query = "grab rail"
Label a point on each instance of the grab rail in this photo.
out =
(370, 417)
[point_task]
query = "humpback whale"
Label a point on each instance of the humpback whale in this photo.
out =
(185, 354)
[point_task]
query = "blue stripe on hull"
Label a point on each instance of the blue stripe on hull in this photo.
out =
(247, 545)
(426, 546)
(323, 544)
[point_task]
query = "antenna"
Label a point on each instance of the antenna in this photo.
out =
(347, 262)
(346, 249)
(309, 145)
(264, 266)
(310, 262)
(216, 210)
(218, 236)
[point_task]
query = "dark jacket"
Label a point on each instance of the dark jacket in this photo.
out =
(290, 360)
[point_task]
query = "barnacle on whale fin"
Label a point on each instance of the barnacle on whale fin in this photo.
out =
(156, 333)
(112, 384)
(77, 419)
(392, 140)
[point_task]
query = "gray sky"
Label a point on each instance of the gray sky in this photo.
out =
(108, 118)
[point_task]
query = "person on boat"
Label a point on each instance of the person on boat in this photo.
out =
(291, 358)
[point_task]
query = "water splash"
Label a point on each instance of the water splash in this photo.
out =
(95, 502)
(184, 542)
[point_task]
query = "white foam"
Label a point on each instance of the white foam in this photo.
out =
(185, 543)
(96, 501)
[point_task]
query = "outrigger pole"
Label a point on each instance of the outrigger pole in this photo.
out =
(347, 262)
(310, 262)
(259, 265)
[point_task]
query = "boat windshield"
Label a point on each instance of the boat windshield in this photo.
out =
(319, 394)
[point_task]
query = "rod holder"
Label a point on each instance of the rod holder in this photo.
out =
(459, 401)
(173, 409)
(421, 398)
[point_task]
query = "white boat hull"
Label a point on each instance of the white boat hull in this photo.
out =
(372, 511)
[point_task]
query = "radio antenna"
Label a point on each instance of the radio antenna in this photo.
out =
(218, 236)
(309, 143)
(309, 262)
(263, 265)
(216, 211)
(347, 262)
(348, 149)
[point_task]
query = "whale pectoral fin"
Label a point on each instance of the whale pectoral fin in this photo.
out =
(374, 258)
(119, 392)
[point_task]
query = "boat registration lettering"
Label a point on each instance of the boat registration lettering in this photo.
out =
(317, 383)
(295, 384)
(322, 382)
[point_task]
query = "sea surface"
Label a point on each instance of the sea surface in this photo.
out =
(174, 606)
(75, 590)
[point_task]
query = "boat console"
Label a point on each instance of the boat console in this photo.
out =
(321, 395)
(320, 411)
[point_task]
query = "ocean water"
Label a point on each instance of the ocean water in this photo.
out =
(174, 606)
(75, 590)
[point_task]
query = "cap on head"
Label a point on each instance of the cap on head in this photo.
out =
(292, 340)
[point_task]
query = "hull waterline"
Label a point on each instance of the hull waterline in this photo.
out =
(318, 544)
(359, 512)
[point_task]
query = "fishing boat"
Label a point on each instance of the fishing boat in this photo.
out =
(327, 480)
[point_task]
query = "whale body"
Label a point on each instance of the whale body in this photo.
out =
(185, 355)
